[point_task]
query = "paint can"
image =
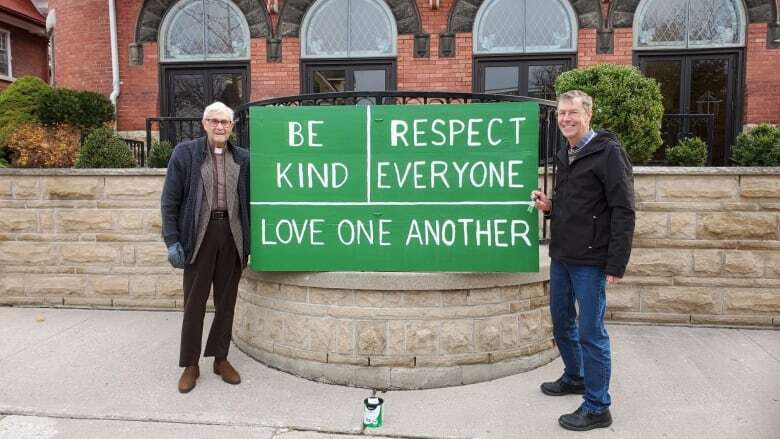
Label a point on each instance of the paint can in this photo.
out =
(373, 412)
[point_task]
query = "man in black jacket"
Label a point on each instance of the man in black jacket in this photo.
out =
(592, 225)
(205, 225)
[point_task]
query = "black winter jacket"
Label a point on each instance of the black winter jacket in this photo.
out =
(592, 218)
(182, 195)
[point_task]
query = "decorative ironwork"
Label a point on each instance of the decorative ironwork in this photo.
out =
(676, 127)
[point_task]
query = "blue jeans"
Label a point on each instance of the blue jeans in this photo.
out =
(583, 342)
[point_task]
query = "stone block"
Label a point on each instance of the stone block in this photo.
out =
(329, 335)
(752, 301)
(21, 301)
(455, 298)
(755, 186)
(421, 337)
(91, 302)
(296, 331)
(531, 291)
(18, 220)
(369, 298)
(169, 286)
(129, 220)
(484, 296)
(424, 378)
(743, 263)
(46, 222)
(644, 187)
(12, 284)
(294, 293)
(737, 225)
(141, 286)
(685, 300)
(372, 377)
(331, 296)
(348, 359)
(109, 285)
(371, 337)
(273, 326)
(86, 220)
(121, 302)
(457, 336)
(128, 254)
(650, 317)
(73, 253)
(26, 188)
(451, 360)
(696, 188)
(151, 254)
(529, 326)
(488, 334)
(509, 331)
(5, 187)
(55, 285)
(268, 289)
(396, 336)
(772, 262)
(682, 225)
(623, 297)
(133, 187)
(391, 361)
(152, 221)
(72, 188)
(301, 354)
(655, 262)
(731, 320)
(26, 253)
(651, 225)
(422, 298)
(707, 261)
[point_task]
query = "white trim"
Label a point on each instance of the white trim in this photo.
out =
(166, 22)
(644, 5)
(368, 153)
(319, 4)
(10, 76)
(573, 24)
(392, 203)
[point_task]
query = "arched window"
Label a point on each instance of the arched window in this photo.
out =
(204, 30)
(525, 26)
(349, 29)
(689, 24)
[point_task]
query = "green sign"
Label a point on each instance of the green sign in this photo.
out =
(394, 188)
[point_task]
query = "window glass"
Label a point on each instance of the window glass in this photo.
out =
(348, 29)
(689, 23)
(524, 26)
(205, 30)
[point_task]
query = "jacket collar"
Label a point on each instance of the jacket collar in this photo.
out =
(597, 144)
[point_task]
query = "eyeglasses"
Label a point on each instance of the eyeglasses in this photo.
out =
(217, 122)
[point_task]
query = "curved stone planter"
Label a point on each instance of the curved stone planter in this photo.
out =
(396, 330)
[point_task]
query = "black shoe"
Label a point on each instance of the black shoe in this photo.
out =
(560, 388)
(581, 421)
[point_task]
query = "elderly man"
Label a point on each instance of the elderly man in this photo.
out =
(592, 225)
(205, 224)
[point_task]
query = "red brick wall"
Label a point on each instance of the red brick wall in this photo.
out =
(586, 48)
(139, 95)
(82, 51)
(762, 91)
(28, 55)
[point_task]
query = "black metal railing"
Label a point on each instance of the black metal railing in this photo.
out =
(174, 129)
(139, 149)
(676, 127)
(549, 136)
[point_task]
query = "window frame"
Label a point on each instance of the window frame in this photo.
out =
(569, 60)
(6, 34)
(166, 22)
(349, 65)
(574, 27)
(318, 5)
(645, 5)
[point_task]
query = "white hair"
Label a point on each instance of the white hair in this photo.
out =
(217, 107)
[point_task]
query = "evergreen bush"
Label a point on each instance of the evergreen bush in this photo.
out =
(83, 109)
(103, 149)
(759, 147)
(160, 154)
(19, 104)
(691, 151)
(624, 102)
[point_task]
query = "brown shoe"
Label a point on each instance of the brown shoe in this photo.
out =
(188, 378)
(226, 370)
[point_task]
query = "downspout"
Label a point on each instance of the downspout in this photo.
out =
(114, 53)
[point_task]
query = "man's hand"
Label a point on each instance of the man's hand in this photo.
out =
(176, 255)
(541, 201)
(612, 280)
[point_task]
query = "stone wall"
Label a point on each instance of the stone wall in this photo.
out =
(706, 251)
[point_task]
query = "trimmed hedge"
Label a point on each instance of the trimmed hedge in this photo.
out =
(624, 102)
(758, 147)
(691, 151)
(103, 149)
(20, 104)
(83, 109)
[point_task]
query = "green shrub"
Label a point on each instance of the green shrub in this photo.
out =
(19, 104)
(691, 151)
(160, 154)
(33, 145)
(103, 149)
(83, 109)
(624, 102)
(759, 147)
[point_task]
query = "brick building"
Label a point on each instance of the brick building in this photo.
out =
(718, 57)
(23, 42)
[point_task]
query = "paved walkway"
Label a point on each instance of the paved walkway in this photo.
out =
(67, 373)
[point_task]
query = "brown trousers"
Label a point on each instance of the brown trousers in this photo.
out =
(217, 264)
